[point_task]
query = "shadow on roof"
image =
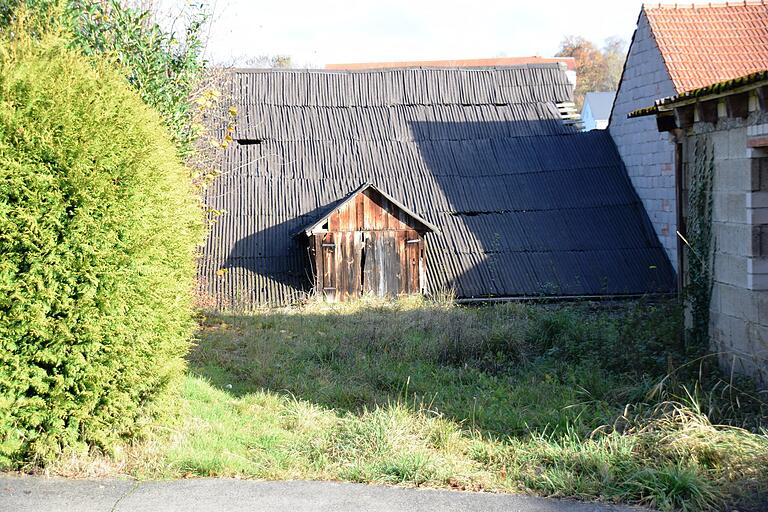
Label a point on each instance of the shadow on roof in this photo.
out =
(524, 208)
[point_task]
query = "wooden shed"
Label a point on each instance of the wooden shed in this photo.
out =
(368, 243)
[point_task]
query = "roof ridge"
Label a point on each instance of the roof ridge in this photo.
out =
(542, 65)
(693, 5)
(455, 62)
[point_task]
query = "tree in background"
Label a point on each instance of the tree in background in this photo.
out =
(597, 69)
(165, 66)
(269, 62)
(614, 52)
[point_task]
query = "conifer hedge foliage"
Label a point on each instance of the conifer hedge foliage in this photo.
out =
(98, 229)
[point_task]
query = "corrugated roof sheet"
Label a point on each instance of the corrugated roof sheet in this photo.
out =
(525, 205)
(705, 44)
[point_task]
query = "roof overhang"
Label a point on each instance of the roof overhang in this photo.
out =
(311, 228)
(666, 106)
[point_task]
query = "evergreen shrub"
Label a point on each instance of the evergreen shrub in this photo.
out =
(98, 228)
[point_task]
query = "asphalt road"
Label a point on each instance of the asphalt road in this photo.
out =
(38, 494)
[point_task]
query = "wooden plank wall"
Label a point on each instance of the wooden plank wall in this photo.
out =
(370, 247)
(369, 211)
(384, 263)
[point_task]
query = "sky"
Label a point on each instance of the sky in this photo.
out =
(317, 32)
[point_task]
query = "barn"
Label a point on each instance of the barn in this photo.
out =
(414, 180)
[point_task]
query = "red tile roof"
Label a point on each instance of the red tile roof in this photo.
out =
(459, 63)
(705, 44)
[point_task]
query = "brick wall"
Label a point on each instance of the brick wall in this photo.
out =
(739, 307)
(648, 155)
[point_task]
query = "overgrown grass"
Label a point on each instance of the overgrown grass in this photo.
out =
(559, 400)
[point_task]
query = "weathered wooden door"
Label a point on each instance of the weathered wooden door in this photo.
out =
(341, 267)
(380, 261)
(327, 266)
(413, 271)
(392, 263)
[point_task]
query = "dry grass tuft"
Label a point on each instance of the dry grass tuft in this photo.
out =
(510, 398)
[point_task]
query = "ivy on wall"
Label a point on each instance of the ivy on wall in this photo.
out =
(700, 251)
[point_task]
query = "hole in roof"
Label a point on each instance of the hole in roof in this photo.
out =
(248, 142)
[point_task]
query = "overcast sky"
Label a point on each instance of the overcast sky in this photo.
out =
(316, 32)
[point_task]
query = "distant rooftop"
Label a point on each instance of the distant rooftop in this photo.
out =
(710, 43)
(570, 62)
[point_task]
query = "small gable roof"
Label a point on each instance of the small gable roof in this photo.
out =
(706, 44)
(324, 215)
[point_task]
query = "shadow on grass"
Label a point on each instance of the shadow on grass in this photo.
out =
(535, 381)
(506, 370)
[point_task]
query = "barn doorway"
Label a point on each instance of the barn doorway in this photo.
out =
(391, 263)
(379, 263)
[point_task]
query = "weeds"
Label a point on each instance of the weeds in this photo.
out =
(510, 397)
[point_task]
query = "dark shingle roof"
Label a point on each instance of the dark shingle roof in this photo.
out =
(525, 206)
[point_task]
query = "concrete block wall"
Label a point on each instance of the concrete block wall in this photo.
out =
(757, 210)
(648, 155)
(739, 307)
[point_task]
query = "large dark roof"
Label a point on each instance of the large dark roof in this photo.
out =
(525, 205)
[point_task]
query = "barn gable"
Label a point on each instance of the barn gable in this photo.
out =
(524, 205)
(369, 209)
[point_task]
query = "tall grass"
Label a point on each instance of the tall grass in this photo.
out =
(560, 400)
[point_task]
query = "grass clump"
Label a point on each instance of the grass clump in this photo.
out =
(508, 398)
(98, 228)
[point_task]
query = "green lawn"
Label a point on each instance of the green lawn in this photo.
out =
(555, 400)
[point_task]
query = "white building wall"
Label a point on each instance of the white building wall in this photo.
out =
(587, 119)
(648, 155)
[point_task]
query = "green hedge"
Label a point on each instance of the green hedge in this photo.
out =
(98, 229)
